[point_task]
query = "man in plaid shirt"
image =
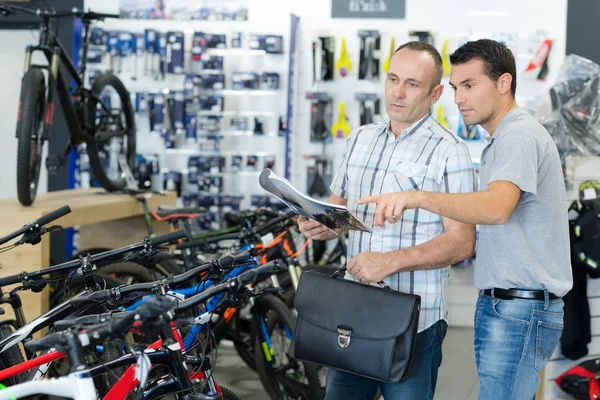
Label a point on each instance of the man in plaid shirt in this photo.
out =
(408, 152)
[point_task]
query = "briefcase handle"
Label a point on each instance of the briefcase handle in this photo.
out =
(342, 269)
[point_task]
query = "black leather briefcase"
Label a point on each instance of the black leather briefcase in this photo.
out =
(357, 328)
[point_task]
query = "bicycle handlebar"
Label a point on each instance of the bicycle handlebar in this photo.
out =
(168, 238)
(7, 9)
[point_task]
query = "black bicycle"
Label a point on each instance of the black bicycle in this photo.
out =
(101, 116)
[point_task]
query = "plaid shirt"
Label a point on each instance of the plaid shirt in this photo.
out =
(426, 157)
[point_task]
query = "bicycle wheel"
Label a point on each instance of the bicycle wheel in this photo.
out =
(284, 377)
(111, 119)
(30, 126)
(228, 394)
(10, 357)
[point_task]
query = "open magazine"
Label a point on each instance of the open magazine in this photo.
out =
(333, 216)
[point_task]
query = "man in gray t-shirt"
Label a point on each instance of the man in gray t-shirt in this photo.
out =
(523, 263)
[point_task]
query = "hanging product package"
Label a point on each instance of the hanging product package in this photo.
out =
(368, 68)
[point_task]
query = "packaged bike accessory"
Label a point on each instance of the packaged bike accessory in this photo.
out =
(368, 68)
(192, 106)
(386, 63)
(323, 63)
(258, 127)
(151, 52)
(441, 118)
(318, 175)
(236, 162)
(174, 52)
(97, 37)
(343, 64)
(269, 81)
(321, 116)
(161, 46)
(208, 124)
(112, 48)
(341, 128)
(239, 123)
(269, 162)
(212, 63)
(422, 36)
(236, 40)
(369, 107)
(179, 110)
(274, 44)
(212, 81)
(244, 80)
(211, 103)
(251, 162)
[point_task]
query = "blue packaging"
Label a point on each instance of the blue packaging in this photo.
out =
(179, 117)
(192, 106)
(244, 80)
(150, 41)
(269, 80)
(97, 37)
(126, 44)
(159, 104)
(211, 63)
(174, 52)
(211, 103)
(212, 81)
(197, 45)
(273, 44)
(94, 55)
(112, 43)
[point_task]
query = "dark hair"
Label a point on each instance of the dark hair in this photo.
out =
(432, 51)
(497, 57)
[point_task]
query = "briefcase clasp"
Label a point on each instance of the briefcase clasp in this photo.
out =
(344, 338)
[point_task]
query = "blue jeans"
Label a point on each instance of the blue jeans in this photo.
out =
(420, 386)
(514, 339)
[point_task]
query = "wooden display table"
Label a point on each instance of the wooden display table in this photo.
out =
(106, 220)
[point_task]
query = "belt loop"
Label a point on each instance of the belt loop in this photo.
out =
(492, 293)
(546, 300)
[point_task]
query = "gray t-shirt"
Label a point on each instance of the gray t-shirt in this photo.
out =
(531, 250)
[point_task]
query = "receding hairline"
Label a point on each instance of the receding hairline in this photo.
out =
(438, 70)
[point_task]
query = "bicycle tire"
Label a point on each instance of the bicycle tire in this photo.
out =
(93, 147)
(10, 357)
(29, 150)
(313, 389)
(112, 351)
(228, 394)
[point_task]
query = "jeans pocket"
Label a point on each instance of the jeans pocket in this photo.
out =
(512, 311)
(548, 335)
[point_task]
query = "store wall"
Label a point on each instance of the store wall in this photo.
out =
(452, 20)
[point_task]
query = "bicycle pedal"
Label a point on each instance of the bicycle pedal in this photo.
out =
(54, 162)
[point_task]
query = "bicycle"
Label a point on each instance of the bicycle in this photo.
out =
(101, 116)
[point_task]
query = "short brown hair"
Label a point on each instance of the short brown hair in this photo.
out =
(432, 51)
(497, 57)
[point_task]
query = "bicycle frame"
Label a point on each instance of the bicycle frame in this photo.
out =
(78, 386)
(57, 55)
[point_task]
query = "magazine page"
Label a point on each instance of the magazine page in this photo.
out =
(333, 216)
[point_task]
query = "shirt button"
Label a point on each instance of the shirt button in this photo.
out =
(381, 172)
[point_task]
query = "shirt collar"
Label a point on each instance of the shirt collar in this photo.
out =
(508, 119)
(409, 130)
